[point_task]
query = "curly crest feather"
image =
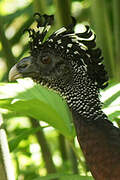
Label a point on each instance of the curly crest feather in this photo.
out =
(80, 47)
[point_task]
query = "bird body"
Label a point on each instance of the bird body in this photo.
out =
(100, 143)
(71, 64)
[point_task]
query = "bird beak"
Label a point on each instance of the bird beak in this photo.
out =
(14, 73)
(24, 68)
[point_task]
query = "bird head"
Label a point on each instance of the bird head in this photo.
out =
(62, 60)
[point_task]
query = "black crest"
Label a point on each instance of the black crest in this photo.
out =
(79, 47)
(37, 36)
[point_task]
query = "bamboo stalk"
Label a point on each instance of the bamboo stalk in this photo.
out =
(9, 57)
(78, 157)
(6, 168)
(73, 159)
(62, 147)
(46, 153)
(39, 6)
(63, 12)
(103, 30)
(116, 29)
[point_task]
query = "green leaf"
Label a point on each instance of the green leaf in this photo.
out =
(111, 99)
(38, 102)
(110, 94)
(114, 116)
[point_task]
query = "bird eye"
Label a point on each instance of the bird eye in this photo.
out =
(46, 60)
(22, 66)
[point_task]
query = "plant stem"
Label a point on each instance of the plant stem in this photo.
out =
(6, 167)
(63, 12)
(47, 156)
(62, 147)
(39, 6)
(9, 57)
(78, 156)
(116, 28)
(104, 35)
(73, 159)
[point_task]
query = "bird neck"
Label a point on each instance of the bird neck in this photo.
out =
(82, 96)
(86, 105)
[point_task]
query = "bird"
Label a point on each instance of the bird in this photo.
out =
(71, 64)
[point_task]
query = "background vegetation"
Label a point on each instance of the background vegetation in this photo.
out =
(39, 126)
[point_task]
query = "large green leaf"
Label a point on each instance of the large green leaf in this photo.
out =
(111, 98)
(114, 116)
(110, 94)
(38, 102)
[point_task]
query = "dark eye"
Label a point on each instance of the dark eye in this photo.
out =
(22, 66)
(46, 60)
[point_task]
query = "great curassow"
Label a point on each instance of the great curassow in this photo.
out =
(71, 64)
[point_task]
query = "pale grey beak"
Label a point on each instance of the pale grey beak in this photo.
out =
(14, 74)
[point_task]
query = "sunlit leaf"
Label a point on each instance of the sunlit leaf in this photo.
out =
(114, 115)
(111, 99)
(38, 102)
(110, 93)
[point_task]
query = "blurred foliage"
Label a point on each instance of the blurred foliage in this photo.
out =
(36, 147)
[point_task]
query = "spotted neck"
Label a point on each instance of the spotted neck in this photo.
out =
(82, 96)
